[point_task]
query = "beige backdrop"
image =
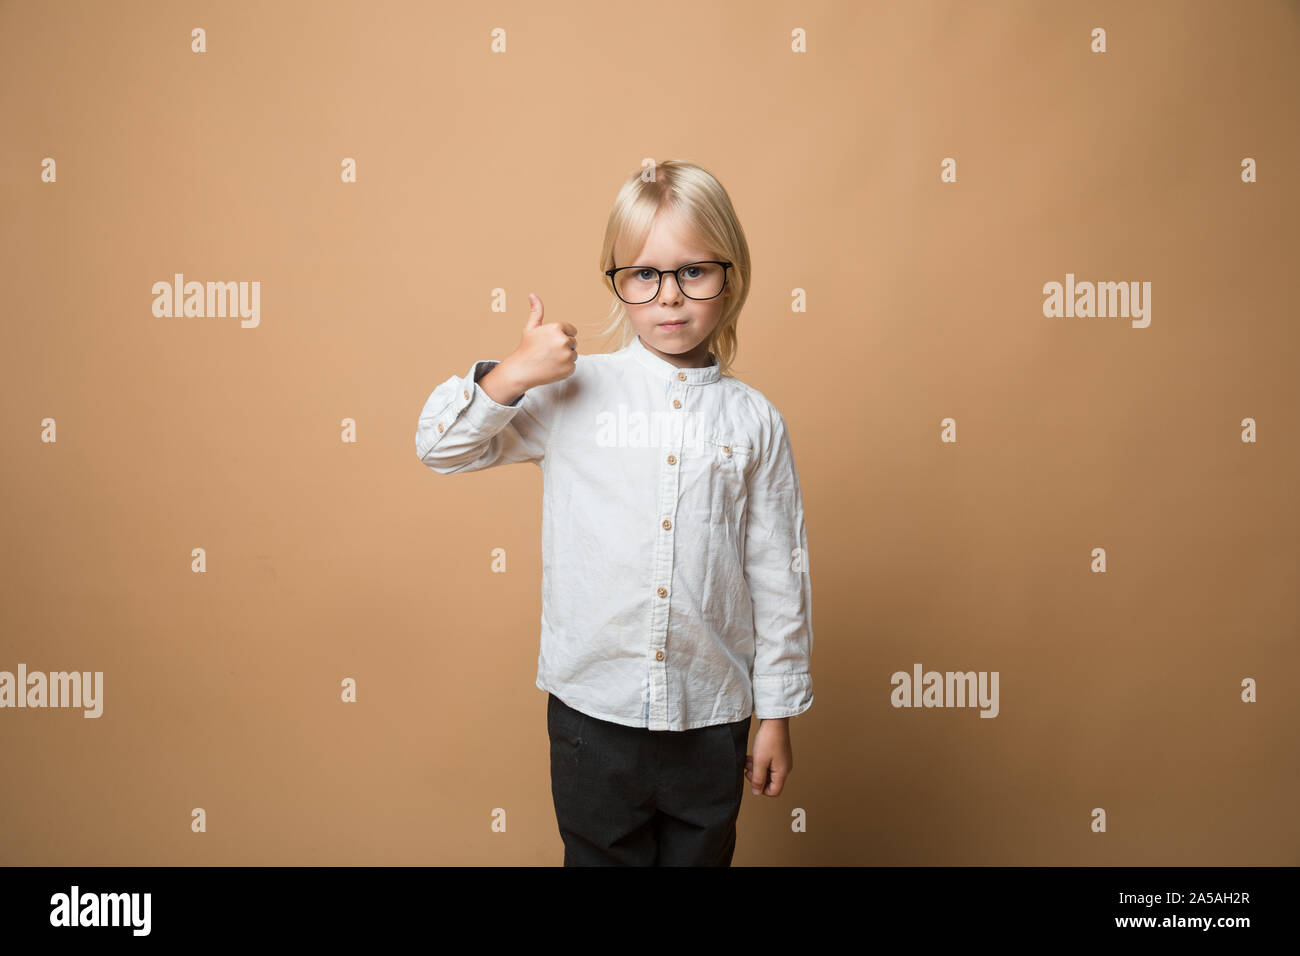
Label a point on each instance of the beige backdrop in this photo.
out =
(477, 170)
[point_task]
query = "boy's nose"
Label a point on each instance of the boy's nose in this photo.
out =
(663, 285)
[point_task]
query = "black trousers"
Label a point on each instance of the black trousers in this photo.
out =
(627, 796)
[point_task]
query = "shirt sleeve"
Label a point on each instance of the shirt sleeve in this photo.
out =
(780, 589)
(461, 428)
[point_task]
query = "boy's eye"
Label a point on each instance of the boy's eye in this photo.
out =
(693, 269)
(644, 274)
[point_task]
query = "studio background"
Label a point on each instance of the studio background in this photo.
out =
(479, 170)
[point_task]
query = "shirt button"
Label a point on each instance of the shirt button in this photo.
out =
(440, 426)
(681, 376)
(726, 449)
(663, 592)
(667, 524)
(672, 459)
(659, 655)
(466, 393)
(677, 403)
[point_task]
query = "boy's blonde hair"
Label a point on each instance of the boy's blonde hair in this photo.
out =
(693, 193)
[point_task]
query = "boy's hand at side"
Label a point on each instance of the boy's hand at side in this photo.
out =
(769, 766)
(546, 353)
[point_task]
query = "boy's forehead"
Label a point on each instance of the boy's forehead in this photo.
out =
(660, 253)
(672, 235)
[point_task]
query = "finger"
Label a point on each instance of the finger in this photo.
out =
(568, 328)
(535, 313)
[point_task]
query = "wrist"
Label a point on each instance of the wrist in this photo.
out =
(503, 384)
(511, 375)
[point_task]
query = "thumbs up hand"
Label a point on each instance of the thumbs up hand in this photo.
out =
(546, 353)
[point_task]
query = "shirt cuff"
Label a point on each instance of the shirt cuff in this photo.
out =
(781, 695)
(471, 409)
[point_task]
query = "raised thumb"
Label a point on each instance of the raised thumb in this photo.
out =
(535, 312)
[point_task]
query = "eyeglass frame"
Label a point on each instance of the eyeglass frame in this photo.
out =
(676, 278)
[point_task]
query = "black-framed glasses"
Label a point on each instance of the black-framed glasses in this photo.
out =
(637, 285)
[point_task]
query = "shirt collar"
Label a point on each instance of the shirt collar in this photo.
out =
(665, 369)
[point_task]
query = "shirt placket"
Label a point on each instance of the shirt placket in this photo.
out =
(669, 481)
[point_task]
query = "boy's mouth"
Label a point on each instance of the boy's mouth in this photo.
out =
(669, 326)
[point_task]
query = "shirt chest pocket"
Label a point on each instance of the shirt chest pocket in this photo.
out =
(723, 463)
(728, 452)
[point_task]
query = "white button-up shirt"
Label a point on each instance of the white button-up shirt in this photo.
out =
(675, 583)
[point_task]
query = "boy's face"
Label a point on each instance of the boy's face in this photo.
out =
(685, 345)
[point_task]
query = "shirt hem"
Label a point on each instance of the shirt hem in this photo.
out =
(638, 723)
